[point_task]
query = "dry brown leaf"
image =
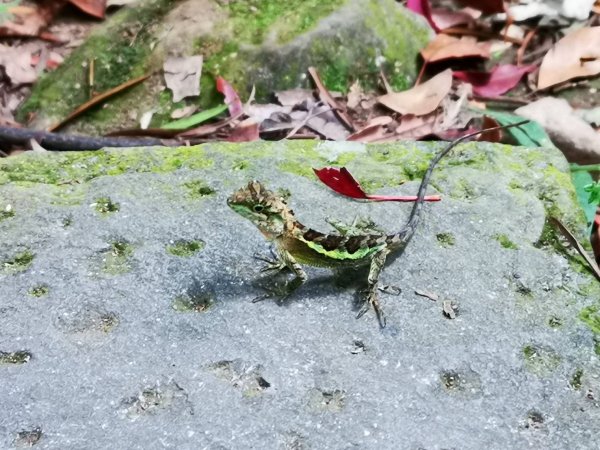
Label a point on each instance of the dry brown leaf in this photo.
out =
(576, 55)
(182, 76)
(94, 8)
(447, 47)
(570, 133)
(421, 99)
(372, 131)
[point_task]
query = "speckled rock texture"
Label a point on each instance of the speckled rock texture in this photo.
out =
(126, 318)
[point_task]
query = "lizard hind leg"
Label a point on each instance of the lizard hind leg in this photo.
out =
(372, 299)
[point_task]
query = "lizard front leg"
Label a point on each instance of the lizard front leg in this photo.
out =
(286, 259)
(377, 263)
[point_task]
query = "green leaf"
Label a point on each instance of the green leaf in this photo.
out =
(594, 191)
(582, 180)
(196, 119)
(529, 135)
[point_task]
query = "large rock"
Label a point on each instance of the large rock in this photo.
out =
(126, 321)
(266, 44)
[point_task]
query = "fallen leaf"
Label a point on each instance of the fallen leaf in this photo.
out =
(341, 181)
(572, 135)
(29, 21)
(485, 6)
(423, 8)
(595, 238)
(576, 55)
(181, 113)
(94, 8)
(444, 47)
(232, 99)
(445, 18)
(292, 97)
(196, 119)
(490, 136)
(421, 99)
(498, 81)
(374, 130)
(328, 98)
(17, 65)
(577, 9)
(532, 10)
(575, 243)
(246, 131)
(182, 76)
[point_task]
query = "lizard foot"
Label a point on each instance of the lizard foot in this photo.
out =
(271, 265)
(372, 300)
(280, 292)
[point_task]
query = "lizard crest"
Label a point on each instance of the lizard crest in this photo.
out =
(266, 210)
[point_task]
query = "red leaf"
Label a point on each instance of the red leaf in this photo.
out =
(423, 8)
(595, 237)
(232, 99)
(500, 80)
(485, 6)
(342, 182)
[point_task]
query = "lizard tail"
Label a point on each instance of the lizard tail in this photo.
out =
(402, 237)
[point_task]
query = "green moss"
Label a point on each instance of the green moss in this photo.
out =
(19, 357)
(265, 24)
(105, 205)
(194, 303)
(540, 360)
(39, 290)
(505, 241)
(117, 259)
(198, 189)
(120, 52)
(20, 262)
(7, 214)
(282, 20)
(240, 165)
(575, 382)
(446, 239)
(591, 317)
(185, 248)
(85, 166)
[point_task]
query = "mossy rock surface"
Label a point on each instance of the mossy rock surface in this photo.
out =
(155, 345)
(269, 45)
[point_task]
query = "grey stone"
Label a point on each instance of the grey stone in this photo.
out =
(115, 359)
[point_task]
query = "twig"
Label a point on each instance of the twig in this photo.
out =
(326, 96)
(575, 243)
(62, 142)
(304, 121)
(521, 52)
(98, 99)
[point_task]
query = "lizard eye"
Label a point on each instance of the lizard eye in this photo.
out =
(258, 208)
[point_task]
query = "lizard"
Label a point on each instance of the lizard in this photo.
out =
(297, 244)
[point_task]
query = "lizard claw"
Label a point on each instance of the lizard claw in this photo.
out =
(372, 300)
(270, 264)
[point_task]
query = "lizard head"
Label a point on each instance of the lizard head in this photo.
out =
(265, 209)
